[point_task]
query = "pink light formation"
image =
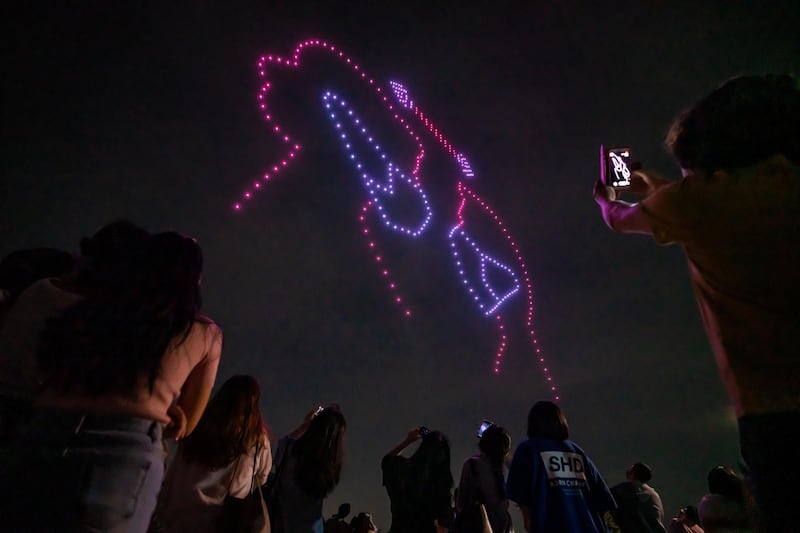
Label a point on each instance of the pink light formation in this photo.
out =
(403, 97)
(382, 183)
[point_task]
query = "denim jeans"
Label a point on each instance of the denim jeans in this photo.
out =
(69, 472)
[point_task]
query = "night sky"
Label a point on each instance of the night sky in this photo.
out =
(149, 112)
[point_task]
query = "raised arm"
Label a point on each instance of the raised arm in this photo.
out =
(299, 430)
(627, 217)
(412, 436)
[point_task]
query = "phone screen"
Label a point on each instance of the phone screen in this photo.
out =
(616, 167)
(484, 425)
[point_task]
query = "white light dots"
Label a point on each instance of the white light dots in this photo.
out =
(486, 262)
(402, 96)
(376, 188)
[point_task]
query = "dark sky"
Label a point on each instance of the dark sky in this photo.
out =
(148, 111)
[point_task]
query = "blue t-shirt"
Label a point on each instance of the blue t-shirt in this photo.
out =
(560, 486)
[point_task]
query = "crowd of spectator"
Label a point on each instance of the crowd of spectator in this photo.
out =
(105, 355)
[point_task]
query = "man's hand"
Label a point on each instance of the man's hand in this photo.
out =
(646, 182)
(620, 216)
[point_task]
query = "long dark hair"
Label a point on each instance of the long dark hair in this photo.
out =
(319, 453)
(495, 444)
(230, 426)
(113, 253)
(430, 477)
(120, 331)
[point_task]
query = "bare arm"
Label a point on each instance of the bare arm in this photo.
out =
(299, 430)
(626, 217)
(620, 216)
(412, 436)
(196, 391)
(176, 429)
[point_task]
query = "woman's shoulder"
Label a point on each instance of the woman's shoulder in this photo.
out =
(207, 323)
(206, 328)
(577, 448)
(263, 441)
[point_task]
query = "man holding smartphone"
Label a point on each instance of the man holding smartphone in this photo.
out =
(736, 213)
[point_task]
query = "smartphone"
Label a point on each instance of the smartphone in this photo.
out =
(318, 410)
(424, 431)
(485, 424)
(615, 167)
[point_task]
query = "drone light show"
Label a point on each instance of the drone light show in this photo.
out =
(490, 282)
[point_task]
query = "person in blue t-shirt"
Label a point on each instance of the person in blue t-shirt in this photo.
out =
(556, 485)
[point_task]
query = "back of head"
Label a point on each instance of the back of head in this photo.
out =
(319, 453)
(433, 453)
(114, 251)
(724, 481)
(172, 269)
(122, 329)
(744, 121)
(547, 421)
(430, 477)
(230, 426)
(495, 443)
(344, 510)
(641, 472)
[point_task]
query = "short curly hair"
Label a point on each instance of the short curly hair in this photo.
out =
(745, 120)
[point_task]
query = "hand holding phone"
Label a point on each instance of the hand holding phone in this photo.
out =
(485, 424)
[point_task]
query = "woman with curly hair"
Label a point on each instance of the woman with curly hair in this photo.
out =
(419, 487)
(228, 453)
(308, 464)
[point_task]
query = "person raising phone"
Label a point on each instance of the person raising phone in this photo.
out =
(736, 213)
